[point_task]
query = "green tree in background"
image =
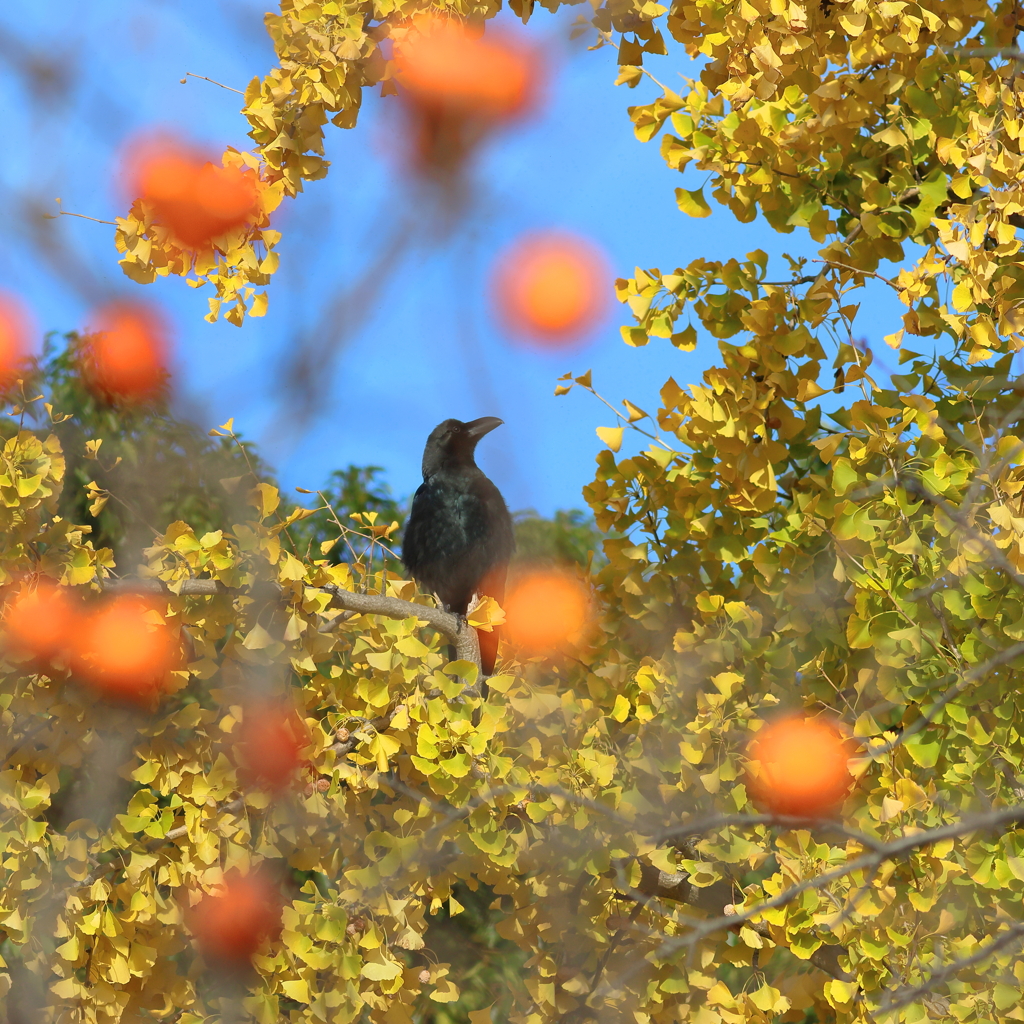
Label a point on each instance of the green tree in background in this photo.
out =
(151, 468)
(568, 538)
(133, 469)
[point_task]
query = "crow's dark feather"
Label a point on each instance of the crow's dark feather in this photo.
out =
(458, 539)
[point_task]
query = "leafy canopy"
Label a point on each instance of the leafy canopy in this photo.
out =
(764, 554)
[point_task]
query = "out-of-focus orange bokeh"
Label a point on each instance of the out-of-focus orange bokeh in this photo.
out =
(552, 288)
(803, 766)
(128, 352)
(15, 332)
(41, 620)
(441, 64)
(269, 741)
(545, 610)
(122, 654)
(192, 197)
(231, 926)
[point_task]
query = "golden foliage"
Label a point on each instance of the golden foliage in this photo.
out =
(774, 545)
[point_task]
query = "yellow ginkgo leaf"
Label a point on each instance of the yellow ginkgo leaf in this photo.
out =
(611, 436)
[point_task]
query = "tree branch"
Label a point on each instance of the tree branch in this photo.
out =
(190, 588)
(461, 635)
(454, 627)
(904, 996)
(61, 212)
(887, 851)
(714, 899)
(176, 833)
(189, 74)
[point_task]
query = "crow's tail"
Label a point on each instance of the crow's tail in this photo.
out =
(488, 650)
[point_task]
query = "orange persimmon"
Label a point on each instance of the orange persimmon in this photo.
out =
(127, 354)
(441, 64)
(545, 609)
(40, 621)
(122, 654)
(551, 287)
(270, 738)
(456, 87)
(195, 199)
(802, 766)
(230, 926)
(15, 331)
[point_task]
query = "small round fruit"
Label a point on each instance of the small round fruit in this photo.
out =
(442, 65)
(545, 610)
(232, 925)
(269, 740)
(15, 331)
(196, 200)
(552, 288)
(801, 766)
(126, 356)
(122, 654)
(40, 621)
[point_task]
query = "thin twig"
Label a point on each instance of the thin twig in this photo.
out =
(859, 270)
(889, 851)
(228, 808)
(189, 74)
(453, 627)
(902, 997)
(806, 279)
(61, 212)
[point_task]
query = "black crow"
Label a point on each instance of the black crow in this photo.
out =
(458, 540)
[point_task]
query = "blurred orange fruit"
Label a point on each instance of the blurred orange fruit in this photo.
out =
(270, 738)
(122, 654)
(196, 200)
(40, 621)
(15, 331)
(545, 610)
(231, 926)
(127, 355)
(441, 64)
(802, 766)
(552, 287)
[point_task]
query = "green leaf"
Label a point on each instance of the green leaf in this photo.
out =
(923, 749)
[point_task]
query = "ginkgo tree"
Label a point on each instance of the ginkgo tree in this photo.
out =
(799, 533)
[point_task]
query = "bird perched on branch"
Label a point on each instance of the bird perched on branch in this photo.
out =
(458, 540)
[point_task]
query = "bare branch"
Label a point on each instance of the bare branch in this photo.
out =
(679, 833)
(904, 996)
(888, 851)
(61, 212)
(716, 899)
(1001, 658)
(187, 588)
(806, 279)
(453, 627)
(858, 270)
(189, 74)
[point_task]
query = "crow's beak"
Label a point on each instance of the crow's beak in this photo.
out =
(484, 425)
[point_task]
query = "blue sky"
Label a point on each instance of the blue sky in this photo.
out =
(427, 347)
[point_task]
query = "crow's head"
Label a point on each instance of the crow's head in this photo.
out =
(453, 442)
